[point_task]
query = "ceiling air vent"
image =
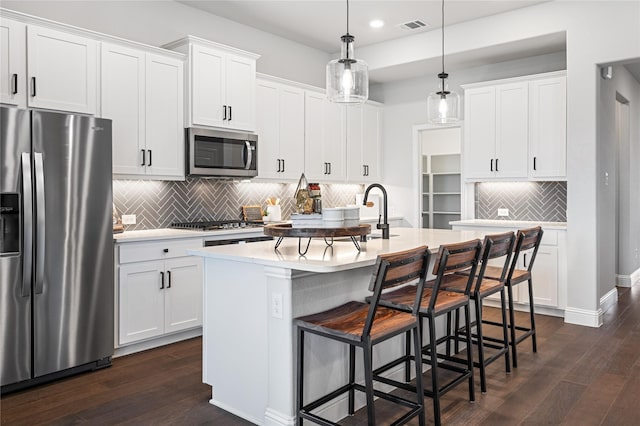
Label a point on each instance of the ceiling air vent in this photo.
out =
(413, 25)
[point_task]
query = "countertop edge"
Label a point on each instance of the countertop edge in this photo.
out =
(510, 224)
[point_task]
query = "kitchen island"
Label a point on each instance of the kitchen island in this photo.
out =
(252, 293)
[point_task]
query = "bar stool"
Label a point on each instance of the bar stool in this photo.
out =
(435, 303)
(363, 325)
(495, 246)
(527, 239)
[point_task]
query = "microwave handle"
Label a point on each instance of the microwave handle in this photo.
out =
(249, 155)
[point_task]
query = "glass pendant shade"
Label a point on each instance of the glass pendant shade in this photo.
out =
(347, 77)
(443, 106)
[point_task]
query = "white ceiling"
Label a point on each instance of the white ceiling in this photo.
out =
(320, 23)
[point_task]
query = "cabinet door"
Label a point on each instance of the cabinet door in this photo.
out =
(354, 117)
(335, 141)
(545, 277)
(548, 114)
(207, 86)
(371, 142)
(141, 301)
(479, 132)
(183, 294)
(122, 101)
(512, 131)
(315, 164)
(291, 124)
(164, 116)
(13, 63)
(267, 127)
(62, 71)
(241, 93)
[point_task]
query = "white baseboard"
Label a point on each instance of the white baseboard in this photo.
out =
(584, 317)
(239, 413)
(635, 277)
(609, 299)
(157, 342)
(628, 280)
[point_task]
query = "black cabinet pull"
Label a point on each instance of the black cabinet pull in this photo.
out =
(166, 250)
(534, 163)
(279, 166)
(497, 165)
(492, 164)
(329, 168)
(283, 165)
(144, 158)
(14, 84)
(33, 87)
(162, 280)
(149, 156)
(169, 279)
(524, 260)
(230, 111)
(364, 170)
(325, 168)
(224, 118)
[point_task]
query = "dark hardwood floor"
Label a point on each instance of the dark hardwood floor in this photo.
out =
(580, 376)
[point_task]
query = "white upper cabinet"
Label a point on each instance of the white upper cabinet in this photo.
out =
(281, 132)
(221, 84)
(13, 63)
(548, 128)
(62, 70)
(364, 143)
(325, 139)
(142, 93)
(516, 129)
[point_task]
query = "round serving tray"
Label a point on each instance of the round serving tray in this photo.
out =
(286, 230)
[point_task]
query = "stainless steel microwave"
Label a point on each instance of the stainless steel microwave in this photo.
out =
(221, 154)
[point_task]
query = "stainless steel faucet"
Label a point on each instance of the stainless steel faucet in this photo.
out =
(385, 225)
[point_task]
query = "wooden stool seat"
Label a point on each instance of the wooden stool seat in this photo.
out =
(487, 287)
(519, 275)
(347, 321)
(403, 299)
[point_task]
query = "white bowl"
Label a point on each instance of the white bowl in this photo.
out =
(333, 223)
(333, 213)
(352, 212)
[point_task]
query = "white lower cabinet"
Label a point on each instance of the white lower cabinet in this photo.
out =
(161, 294)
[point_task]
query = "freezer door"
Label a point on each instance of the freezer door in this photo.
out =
(15, 267)
(73, 284)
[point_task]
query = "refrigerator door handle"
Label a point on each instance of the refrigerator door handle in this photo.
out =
(40, 222)
(27, 226)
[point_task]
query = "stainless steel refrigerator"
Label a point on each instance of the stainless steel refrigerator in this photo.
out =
(56, 246)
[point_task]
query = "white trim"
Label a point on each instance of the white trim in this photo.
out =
(233, 411)
(156, 342)
(635, 277)
(584, 317)
(561, 73)
(187, 40)
(276, 418)
(623, 280)
(609, 299)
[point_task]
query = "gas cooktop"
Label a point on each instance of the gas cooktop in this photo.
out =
(209, 225)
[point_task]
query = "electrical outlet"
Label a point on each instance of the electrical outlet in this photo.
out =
(276, 305)
(128, 219)
(503, 212)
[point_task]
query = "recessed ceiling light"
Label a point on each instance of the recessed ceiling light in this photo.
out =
(376, 23)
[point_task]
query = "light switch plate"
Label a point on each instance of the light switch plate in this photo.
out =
(503, 212)
(128, 219)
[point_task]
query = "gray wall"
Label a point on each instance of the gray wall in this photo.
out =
(159, 22)
(621, 165)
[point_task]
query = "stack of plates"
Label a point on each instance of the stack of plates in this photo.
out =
(313, 220)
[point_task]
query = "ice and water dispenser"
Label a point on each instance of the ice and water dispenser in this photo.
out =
(9, 223)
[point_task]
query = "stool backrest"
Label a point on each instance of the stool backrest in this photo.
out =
(494, 247)
(452, 258)
(526, 239)
(394, 269)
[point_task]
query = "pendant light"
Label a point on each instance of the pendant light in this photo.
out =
(443, 106)
(347, 77)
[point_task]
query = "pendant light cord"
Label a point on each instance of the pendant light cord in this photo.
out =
(347, 17)
(442, 37)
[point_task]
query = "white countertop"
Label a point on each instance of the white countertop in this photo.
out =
(341, 256)
(168, 233)
(510, 224)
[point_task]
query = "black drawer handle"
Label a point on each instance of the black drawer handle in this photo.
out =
(224, 118)
(169, 279)
(230, 111)
(33, 87)
(534, 163)
(492, 164)
(166, 250)
(149, 156)
(162, 280)
(144, 157)
(497, 165)
(14, 84)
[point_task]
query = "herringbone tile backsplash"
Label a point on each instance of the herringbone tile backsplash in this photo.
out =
(537, 201)
(157, 204)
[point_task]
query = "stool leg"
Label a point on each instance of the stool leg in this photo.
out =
(299, 381)
(368, 380)
(505, 333)
(352, 378)
(483, 379)
(407, 353)
(434, 371)
(467, 317)
(532, 315)
(456, 342)
(448, 331)
(417, 347)
(512, 327)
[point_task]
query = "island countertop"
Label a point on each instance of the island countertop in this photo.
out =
(341, 256)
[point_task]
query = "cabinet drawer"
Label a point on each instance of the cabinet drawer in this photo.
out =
(549, 238)
(155, 250)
